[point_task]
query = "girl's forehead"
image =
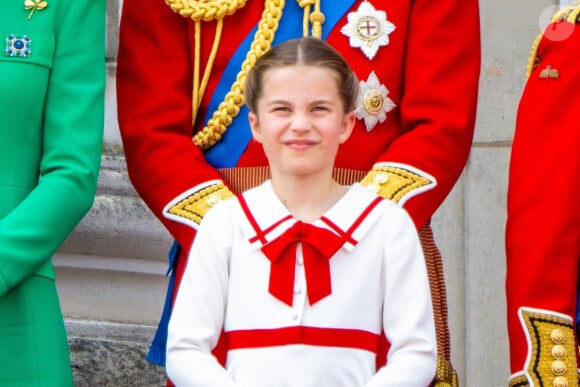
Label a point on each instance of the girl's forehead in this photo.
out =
(300, 70)
(295, 75)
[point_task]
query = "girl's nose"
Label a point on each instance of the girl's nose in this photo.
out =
(301, 122)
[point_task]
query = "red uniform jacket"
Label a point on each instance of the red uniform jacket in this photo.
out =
(543, 224)
(429, 64)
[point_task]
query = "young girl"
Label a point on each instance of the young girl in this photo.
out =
(302, 274)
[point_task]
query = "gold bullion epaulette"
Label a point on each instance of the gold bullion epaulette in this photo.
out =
(397, 182)
(570, 14)
(191, 207)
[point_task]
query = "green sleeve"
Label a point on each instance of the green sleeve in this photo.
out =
(72, 133)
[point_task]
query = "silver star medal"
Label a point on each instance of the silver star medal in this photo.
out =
(373, 102)
(368, 29)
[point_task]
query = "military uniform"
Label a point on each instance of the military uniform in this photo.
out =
(52, 81)
(543, 224)
(181, 66)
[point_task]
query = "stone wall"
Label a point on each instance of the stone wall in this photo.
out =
(111, 271)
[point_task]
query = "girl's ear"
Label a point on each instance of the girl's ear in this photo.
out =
(255, 126)
(347, 126)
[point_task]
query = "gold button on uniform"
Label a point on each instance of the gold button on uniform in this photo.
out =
(558, 367)
(212, 200)
(557, 336)
(559, 352)
(560, 381)
(381, 178)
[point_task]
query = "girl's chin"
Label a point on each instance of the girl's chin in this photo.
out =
(298, 170)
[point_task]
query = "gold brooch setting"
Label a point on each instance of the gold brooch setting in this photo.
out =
(33, 5)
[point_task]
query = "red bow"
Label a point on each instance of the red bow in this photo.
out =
(318, 246)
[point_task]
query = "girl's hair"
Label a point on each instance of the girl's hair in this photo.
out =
(306, 51)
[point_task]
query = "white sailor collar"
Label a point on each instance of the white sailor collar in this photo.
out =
(352, 216)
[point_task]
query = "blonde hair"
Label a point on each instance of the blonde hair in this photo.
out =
(306, 51)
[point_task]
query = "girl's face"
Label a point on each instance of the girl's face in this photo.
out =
(300, 120)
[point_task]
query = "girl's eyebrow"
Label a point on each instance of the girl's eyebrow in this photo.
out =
(285, 101)
(278, 101)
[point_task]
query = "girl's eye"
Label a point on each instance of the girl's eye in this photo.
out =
(320, 108)
(280, 109)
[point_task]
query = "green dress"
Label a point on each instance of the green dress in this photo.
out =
(52, 77)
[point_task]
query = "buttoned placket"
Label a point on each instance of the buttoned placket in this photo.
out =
(299, 300)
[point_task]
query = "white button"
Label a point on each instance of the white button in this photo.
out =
(297, 290)
(300, 260)
(295, 316)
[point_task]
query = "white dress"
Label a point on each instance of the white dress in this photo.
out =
(378, 283)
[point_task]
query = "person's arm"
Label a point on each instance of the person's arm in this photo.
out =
(407, 310)
(199, 310)
(154, 104)
(543, 216)
(71, 146)
(438, 105)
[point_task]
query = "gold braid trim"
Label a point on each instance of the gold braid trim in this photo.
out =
(553, 350)
(571, 14)
(234, 99)
(534, 60)
(195, 206)
(315, 17)
(445, 375)
(394, 183)
(518, 381)
(574, 15)
(205, 10)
